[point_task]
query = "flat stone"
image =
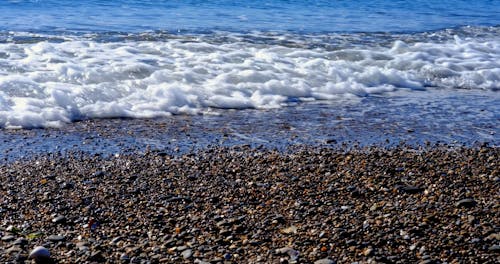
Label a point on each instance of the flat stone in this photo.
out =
(56, 238)
(324, 261)
(467, 203)
(8, 238)
(181, 248)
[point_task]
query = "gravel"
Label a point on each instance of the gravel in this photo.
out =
(245, 205)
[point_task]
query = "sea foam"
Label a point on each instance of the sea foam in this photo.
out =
(51, 80)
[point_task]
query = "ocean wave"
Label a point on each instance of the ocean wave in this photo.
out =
(47, 80)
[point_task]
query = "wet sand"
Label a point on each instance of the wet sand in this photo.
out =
(432, 204)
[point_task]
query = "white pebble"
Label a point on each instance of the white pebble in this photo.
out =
(39, 252)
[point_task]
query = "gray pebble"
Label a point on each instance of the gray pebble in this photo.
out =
(8, 238)
(55, 238)
(494, 248)
(20, 241)
(324, 261)
(186, 254)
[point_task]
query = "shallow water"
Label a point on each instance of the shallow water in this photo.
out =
(414, 119)
(305, 71)
(52, 80)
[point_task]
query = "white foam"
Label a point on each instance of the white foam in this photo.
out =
(48, 84)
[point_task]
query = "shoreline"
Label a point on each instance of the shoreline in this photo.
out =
(459, 118)
(248, 205)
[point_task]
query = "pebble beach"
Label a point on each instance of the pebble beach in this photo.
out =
(240, 132)
(239, 204)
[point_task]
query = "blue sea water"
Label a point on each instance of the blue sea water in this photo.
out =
(313, 16)
(66, 61)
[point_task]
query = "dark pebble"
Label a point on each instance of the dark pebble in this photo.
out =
(467, 203)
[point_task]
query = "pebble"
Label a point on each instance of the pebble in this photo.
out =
(368, 251)
(494, 248)
(187, 254)
(467, 203)
(13, 249)
(124, 256)
(290, 230)
(324, 261)
(39, 253)
(410, 189)
(8, 238)
(59, 219)
(20, 241)
(312, 202)
(294, 254)
(56, 238)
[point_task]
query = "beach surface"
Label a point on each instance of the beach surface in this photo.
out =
(249, 131)
(240, 204)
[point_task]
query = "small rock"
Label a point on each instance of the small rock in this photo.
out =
(12, 229)
(59, 219)
(13, 249)
(494, 248)
(294, 254)
(98, 174)
(124, 257)
(115, 240)
(20, 241)
(493, 237)
(467, 203)
(409, 189)
(55, 238)
(187, 254)
(67, 185)
(8, 238)
(290, 230)
(97, 257)
(324, 261)
(181, 248)
(39, 253)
